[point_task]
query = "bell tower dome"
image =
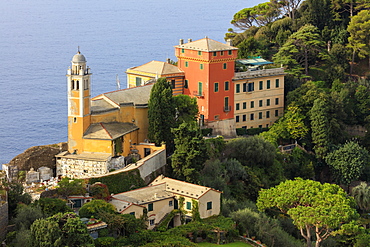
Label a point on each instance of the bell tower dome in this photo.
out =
(79, 108)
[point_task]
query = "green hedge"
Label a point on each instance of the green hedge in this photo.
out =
(121, 182)
(251, 132)
(207, 132)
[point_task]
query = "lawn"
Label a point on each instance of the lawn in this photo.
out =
(234, 244)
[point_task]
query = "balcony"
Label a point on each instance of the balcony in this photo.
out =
(227, 108)
(198, 94)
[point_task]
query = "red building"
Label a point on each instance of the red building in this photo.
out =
(209, 69)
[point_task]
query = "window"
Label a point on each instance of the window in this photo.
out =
(188, 205)
(276, 113)
(276, 101)
(252, 104)
(199, 53)
(186, 64)
(77, 85)
(244, 118)
(201, 66)
(268, 102)
(209, 205)
(173, 84)
(244, 105)
(260, 126)
(150, 207)
(251, 117)
(260, 115)
(222, 53)
(261, 85)
(277, 83)
(225, 65)
(268, 84)
(186, 84)
(230, 52)
(170, 203)
(268, 114)
(151, 222)
(226, 85)
(251, 87)
(237, 119)
(237, 88)
(260, 103)
(215, 53)
(72, 85)
(237, 106)
(226, 101)
(138, 81)
(132, 213)
(244, 87)
(216, 87)
(182, 50)
(200, 88)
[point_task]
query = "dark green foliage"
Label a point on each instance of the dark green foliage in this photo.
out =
(215, 147)
(252, 131)
(16, 196)
(186, 109)
(258, 156)
(207, 132)
(161, 113)
(60, 230)
(95, 207)
(122, 224)
(299, 164)
(67, 187)
(121, 182)
(190, 153)
(26, 215)
(320, 127)
(51, 206)
(230, 177)
(348, 162)
(269, 231)
(105, 241)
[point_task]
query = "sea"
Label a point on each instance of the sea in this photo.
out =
(38, 39)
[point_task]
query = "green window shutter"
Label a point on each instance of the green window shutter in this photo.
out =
(188, 205)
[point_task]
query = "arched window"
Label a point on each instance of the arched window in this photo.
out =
(77, 85)
(72, 85)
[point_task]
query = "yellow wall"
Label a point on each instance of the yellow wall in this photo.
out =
(215, 198)
(136, 209)
(76, 127)
(131, 79)
(98, 146)
(255, 96)
(152, 147)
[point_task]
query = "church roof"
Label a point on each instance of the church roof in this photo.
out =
(206, 44)
(138, 96)
(78, 58)
(157, 68)
(108, 131)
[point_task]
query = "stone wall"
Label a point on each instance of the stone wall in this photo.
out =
(225, 128)
(3, 220)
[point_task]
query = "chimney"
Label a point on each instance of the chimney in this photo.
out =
(190, 40)
(181, 42)
(229, 42)
(168, 60)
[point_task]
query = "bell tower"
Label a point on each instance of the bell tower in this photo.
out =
(79, 108)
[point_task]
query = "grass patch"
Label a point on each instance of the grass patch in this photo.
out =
(234, 244)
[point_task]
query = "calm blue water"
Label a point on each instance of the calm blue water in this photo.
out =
(38, 39)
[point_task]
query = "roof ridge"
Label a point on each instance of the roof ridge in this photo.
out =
(102, 125)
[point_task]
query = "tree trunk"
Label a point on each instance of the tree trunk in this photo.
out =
(353, 60)
(306, 61)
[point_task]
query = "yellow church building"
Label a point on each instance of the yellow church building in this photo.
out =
(102, 131)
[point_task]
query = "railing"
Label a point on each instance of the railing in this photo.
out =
(227, 108)
(258, 73)
(198, 94)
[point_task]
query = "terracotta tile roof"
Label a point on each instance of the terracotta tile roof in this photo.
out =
(206, 44)
(108, 131)
(158, 68)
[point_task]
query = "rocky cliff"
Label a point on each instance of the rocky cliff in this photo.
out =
(38, 156)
